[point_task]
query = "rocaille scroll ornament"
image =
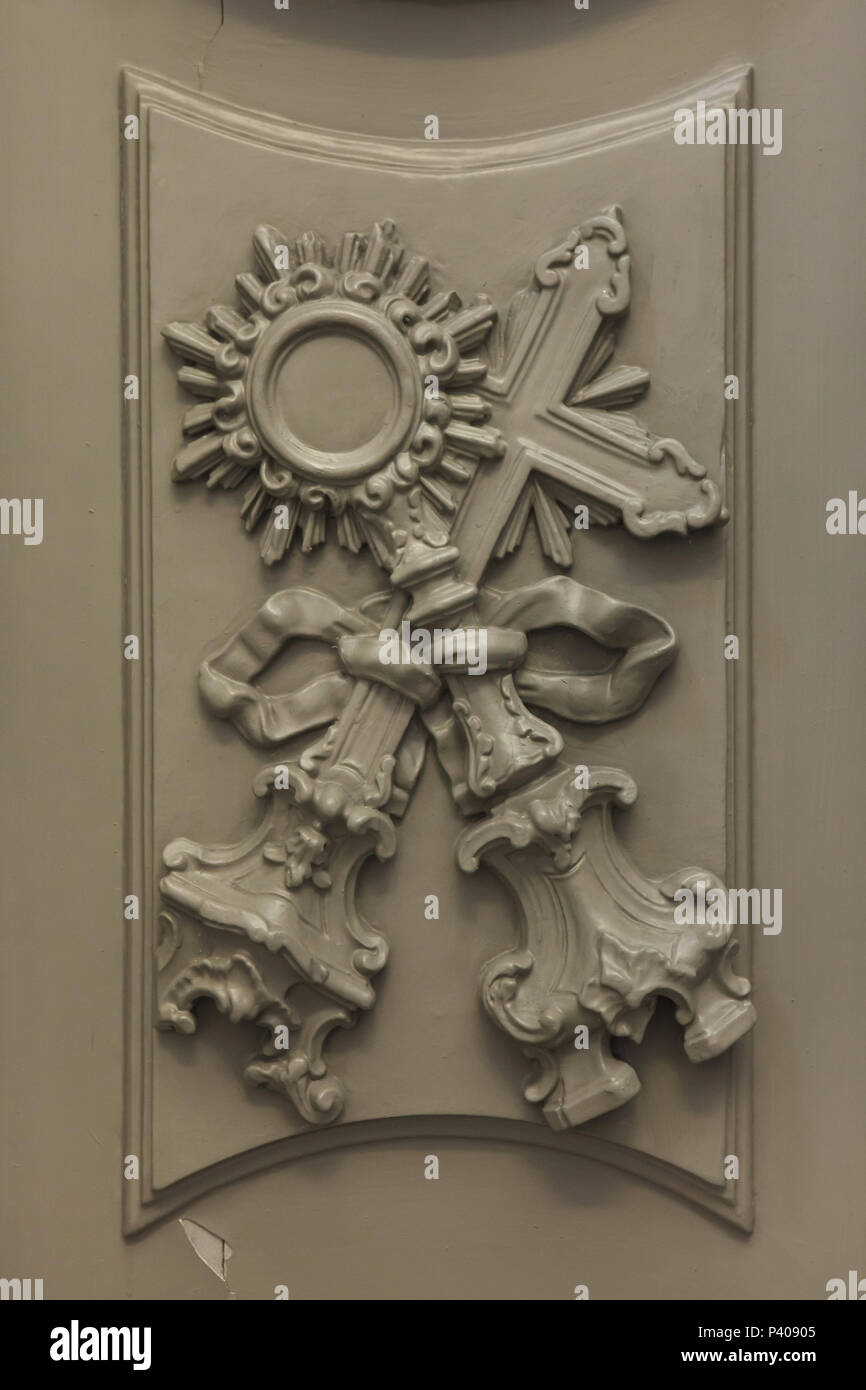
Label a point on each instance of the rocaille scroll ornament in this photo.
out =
(462, 429)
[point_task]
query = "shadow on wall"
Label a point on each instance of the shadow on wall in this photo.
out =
(446, 29)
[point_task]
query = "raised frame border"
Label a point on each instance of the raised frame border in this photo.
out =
(140, 93)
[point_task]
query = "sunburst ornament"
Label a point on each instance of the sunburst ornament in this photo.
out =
(346, 386)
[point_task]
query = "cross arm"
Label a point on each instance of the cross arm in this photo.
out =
(562, 402)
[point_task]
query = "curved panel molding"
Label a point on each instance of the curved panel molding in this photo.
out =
(350, 396)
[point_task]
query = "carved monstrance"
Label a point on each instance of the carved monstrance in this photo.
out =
(350, 395)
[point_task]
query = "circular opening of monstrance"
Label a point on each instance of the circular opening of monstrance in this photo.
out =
(334, 391)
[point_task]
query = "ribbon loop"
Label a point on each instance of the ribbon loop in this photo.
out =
(647, 643)
(227, 676)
